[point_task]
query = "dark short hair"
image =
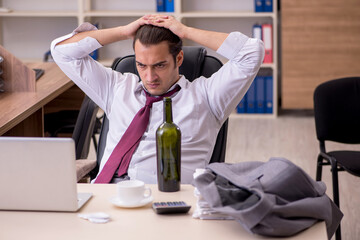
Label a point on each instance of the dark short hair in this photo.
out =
(151, 35)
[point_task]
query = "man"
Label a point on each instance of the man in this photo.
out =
(199, 108)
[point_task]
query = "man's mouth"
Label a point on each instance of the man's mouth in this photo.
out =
(153, 85)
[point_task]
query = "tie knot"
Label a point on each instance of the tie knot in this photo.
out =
(151, 99)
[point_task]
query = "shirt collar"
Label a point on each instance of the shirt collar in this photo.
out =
(181, 83)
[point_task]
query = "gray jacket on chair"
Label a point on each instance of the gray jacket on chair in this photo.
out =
(275, 198)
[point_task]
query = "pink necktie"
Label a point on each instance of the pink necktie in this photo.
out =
(122, 153)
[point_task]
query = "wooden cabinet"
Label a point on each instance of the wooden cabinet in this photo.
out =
(320, 41)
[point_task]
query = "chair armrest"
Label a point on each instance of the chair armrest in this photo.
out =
(84, 167)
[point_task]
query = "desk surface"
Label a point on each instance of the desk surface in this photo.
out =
(138, 223)
(17, 106)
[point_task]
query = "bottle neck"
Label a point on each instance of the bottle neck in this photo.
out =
(167, 110)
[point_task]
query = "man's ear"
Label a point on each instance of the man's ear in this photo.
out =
(180, 58)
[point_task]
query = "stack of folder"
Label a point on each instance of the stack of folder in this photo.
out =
(165, 5)
(259, 97)
(263, 5)
(264, 32)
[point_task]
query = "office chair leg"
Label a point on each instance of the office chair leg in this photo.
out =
(338, 233)
(335, 182)
(319, 168)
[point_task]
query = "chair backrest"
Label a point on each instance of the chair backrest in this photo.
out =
(196, 63)
(84, 127)
(337, 110)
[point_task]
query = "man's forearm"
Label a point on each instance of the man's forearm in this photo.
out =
(110, 35)
(210, 39)
(103, 36)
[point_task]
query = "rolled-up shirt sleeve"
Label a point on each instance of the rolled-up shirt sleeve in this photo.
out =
(83, 47)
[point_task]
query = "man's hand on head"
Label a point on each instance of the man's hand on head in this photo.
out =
(168, 22)
(131, 28)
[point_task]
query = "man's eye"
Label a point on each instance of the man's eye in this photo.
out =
(160, 65)
(141, 65)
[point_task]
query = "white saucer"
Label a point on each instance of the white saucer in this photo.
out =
(117, 202)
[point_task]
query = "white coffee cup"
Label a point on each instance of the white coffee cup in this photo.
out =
(132, 191)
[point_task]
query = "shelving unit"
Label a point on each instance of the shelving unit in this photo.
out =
(36, 23)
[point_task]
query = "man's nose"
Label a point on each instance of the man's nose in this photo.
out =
(151, 74)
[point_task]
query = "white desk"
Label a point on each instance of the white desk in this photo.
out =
(128, 224)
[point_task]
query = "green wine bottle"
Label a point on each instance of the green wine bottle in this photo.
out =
(168, 151)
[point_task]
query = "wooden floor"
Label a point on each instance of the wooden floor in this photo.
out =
(292, 136)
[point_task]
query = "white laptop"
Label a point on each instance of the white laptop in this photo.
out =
(39, 174)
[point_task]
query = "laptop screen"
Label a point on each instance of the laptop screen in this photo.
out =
(37, 174)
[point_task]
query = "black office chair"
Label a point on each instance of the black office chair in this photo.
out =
(337, 119)
(64, 122)
(196, 63)
(82, 135)
(84, 127)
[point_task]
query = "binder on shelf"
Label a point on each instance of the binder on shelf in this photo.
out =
(241, 107)
(169, 5)
(250, 98)
(267, 5)
(160, 5)
(257, 31)
(267, 39)
(259, 5)
(260, 94)
(269, 94)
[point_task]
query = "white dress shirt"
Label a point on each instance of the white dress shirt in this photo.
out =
(199, 108)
